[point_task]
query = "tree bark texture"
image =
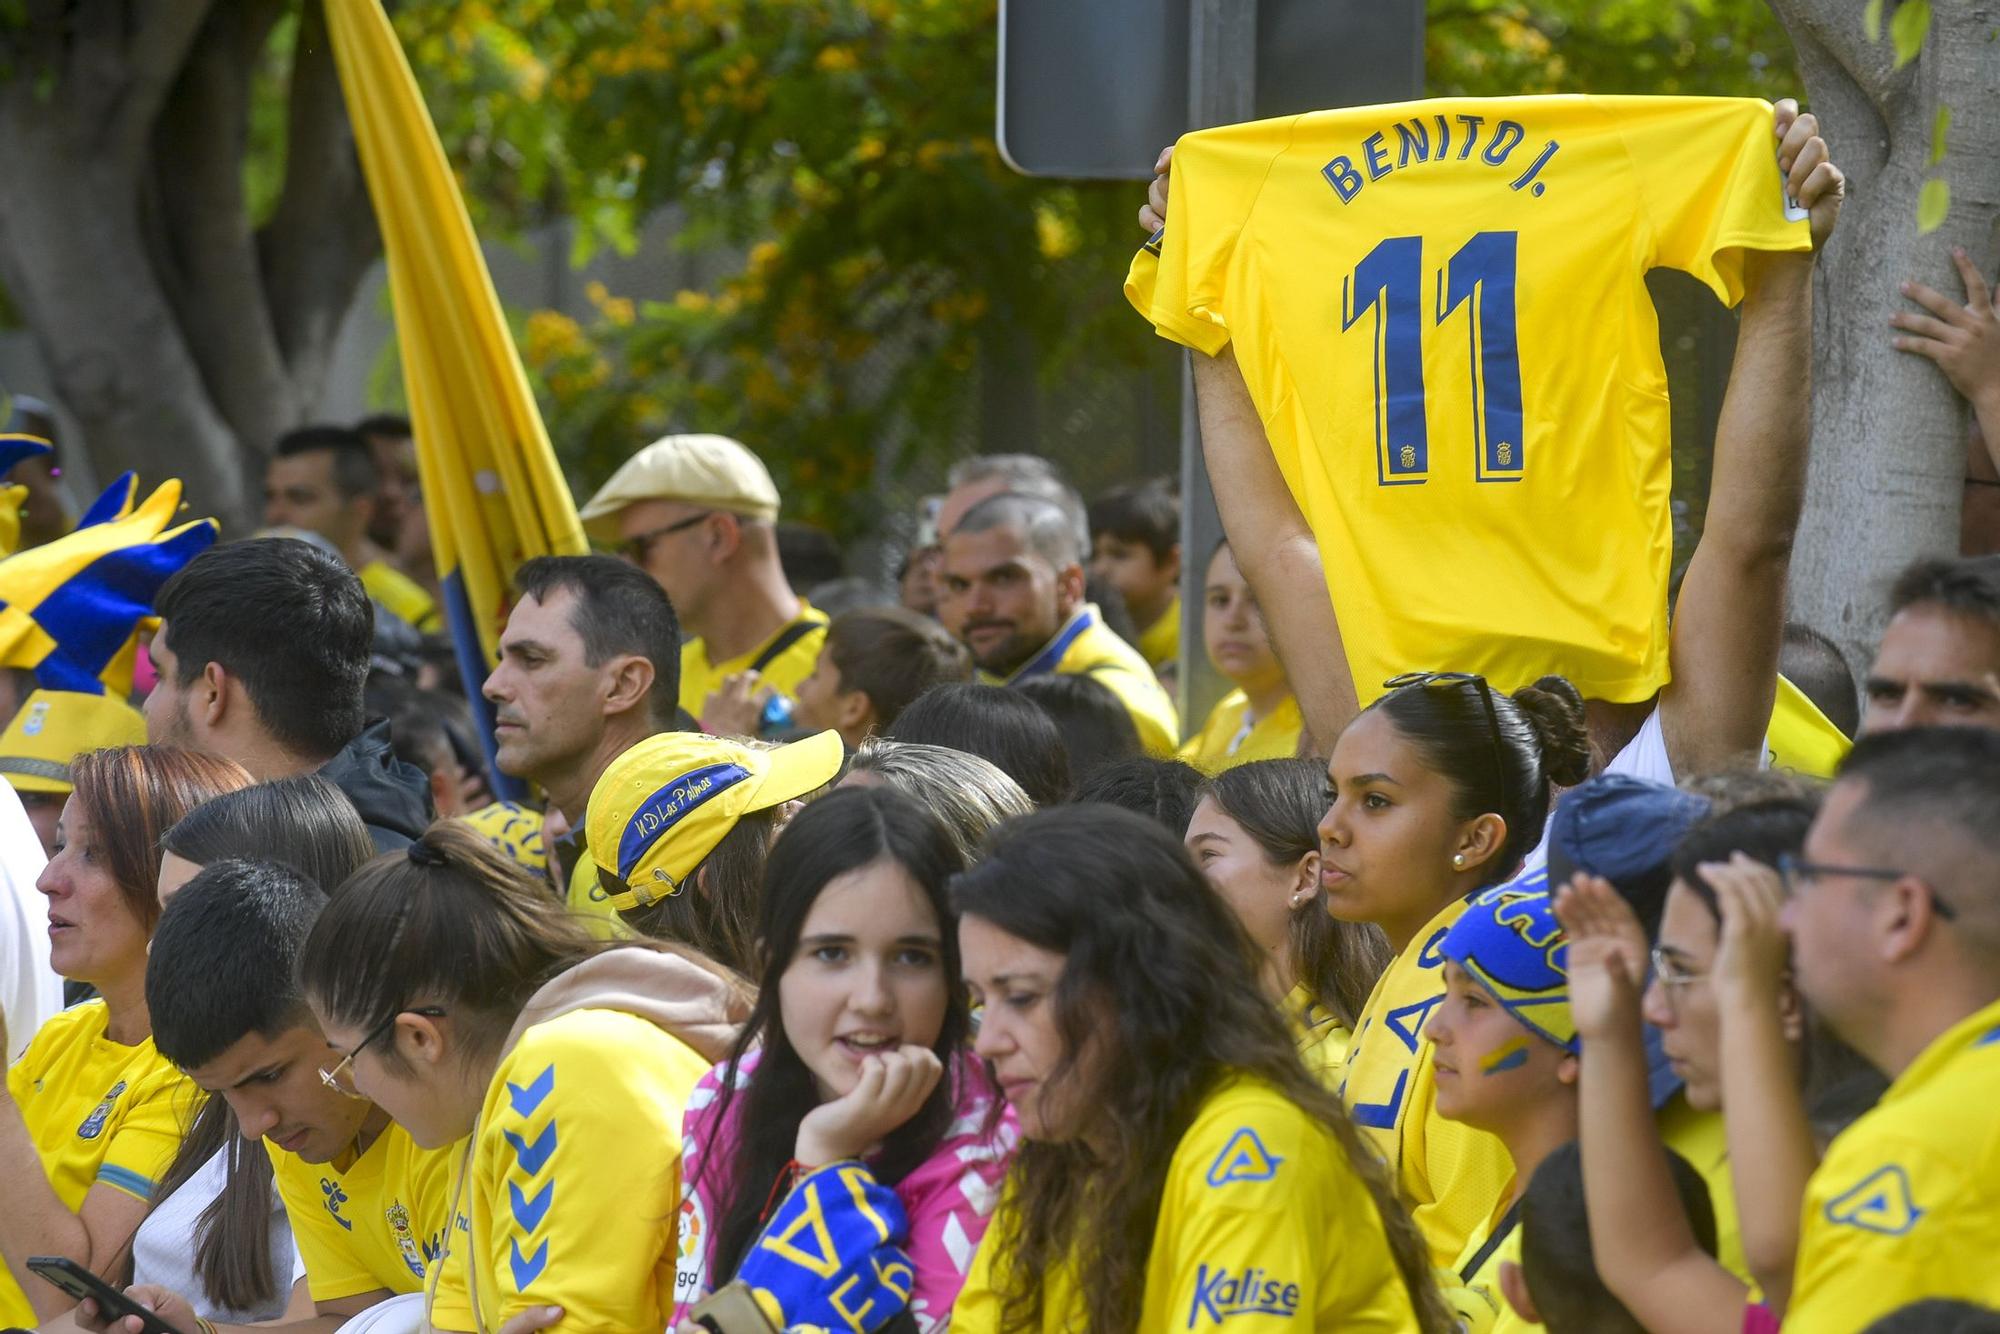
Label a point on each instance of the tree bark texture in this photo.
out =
(182, 338)
(1889, 438)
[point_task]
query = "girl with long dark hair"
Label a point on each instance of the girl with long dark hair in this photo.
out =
(1437, 790)
(857, 1049)
(1255, 836)
(1179, 1166)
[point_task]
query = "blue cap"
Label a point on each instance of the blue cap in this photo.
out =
(1510, 942)
(1624, 829)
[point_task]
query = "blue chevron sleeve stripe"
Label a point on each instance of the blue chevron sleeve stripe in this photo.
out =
(527, 1098)
(528, 1214)
(533, 1157)
(527, 1268)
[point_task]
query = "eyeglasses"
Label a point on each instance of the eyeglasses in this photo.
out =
(634, 548)
(1673, 974)
(341, 1078)
(1799, 876)
(1447, 680)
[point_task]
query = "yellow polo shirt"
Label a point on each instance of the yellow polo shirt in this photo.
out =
(369, 1220)
(1083, 647)
(1262, 1226)
(1449, 1175)
(99, 1112)
(1904, 1205)
(1223, 744)
(794, 663)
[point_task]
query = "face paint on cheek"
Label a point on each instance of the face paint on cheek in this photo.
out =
(1508, 1056)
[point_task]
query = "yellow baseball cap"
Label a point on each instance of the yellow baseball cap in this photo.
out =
(54, 727)
(709, 470)
(663, 805)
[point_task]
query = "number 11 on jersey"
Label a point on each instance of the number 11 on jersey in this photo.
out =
(1478, 277)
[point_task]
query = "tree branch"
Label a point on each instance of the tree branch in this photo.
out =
(322, 237)
(151, 65)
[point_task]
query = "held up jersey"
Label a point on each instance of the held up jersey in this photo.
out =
(1440, 312)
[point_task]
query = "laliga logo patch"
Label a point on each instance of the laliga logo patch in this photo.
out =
(1218, 1294)
(693, 1239)
(1244, 1158)
(1882, 1203)
(93, 1125)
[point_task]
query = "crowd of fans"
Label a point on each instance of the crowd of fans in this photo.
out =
(900, 959)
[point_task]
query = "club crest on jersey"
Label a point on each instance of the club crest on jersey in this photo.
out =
(1243, 1158)
(1882, 1203)
(93, 1125)
(1220, 1294)
(406, 1240)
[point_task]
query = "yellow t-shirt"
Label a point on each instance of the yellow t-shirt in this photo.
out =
(1903, 1207)
(1263, 1226)
(370, 1220)
(1275, 736)
(793, 664)
(402, 595)
(1084, 647)
(1440, 312)
(1801, 738)
(1160, 642)
(99, 1112)
(573, 1188)
(1699, 1138)
(1323, 1039)
(1448, 1174)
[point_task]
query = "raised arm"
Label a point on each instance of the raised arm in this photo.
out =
(1274, 547)
(1771, 1151)
(1644, 1247)
(1731, 613)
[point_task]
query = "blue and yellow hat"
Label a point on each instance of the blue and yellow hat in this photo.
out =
(1509, 940)
(663, 805)
(54, 727)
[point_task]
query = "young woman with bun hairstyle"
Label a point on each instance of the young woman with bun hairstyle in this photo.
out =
(1437, 790)
(859, 1047)
(1255, 835)
(467, 1002)
(1179, 1167)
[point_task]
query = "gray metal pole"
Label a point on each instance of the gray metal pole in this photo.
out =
(1222, 79)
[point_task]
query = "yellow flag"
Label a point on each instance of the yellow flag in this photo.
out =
(491, 488)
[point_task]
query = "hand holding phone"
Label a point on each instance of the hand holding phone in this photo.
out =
(81, 1284)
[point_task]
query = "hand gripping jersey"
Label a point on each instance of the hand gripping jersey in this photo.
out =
(1440, 312)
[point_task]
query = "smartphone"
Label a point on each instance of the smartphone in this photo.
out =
(80, 1283)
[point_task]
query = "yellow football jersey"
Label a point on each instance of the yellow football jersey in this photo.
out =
(1903, 1208)
(1084, 647)
(1160, 642)
(1440, 312)
(1322, 1038)
(1275, 736)
(1801, 739)
(573, 1187)
(1262, 1217)
(371, 1220)
(787, 667)
(99, 1112)
(1472, 1285)
(1449, 1175)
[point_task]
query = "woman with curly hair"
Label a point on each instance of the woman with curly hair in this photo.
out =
(1179, 1166)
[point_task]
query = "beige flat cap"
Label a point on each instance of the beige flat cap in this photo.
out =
(710, 470)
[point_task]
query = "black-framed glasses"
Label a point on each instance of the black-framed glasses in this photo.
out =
(635, 547)
(341, 1078)
(1798, 875)
(1449, 680)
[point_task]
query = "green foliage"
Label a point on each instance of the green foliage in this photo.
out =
(1933, 202)
(1689, 47)
(1908, 29)
(1940, 128)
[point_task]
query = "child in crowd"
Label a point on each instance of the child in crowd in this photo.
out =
(967, 794)
(875, 661)
(1135, 535)
(858, 1048)
(1179, 1167)
(1438, 790)
(1255, 835)
(1259, 719)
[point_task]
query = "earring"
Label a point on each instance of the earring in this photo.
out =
(1458, 861)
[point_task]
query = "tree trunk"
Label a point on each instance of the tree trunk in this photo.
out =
(180, 339)
(1889, 436)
